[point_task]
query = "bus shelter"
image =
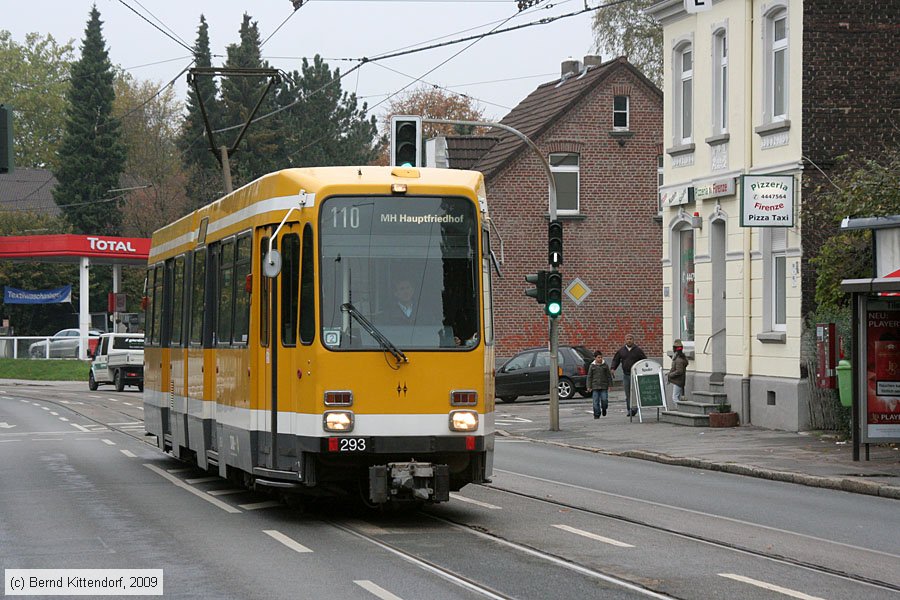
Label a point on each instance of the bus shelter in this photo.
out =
(875, 359)
(86, 250)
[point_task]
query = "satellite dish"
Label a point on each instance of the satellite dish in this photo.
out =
(272, 263)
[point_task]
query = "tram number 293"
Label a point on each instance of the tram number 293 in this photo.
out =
(348, 444)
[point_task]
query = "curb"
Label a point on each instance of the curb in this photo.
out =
(844, 484)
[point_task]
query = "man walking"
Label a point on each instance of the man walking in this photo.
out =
(627, 355)
(599, 378)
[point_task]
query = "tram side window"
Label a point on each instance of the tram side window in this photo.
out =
(307, 290)
(156, 305)
(264, 300)
(198, 291)
(178, 302)
(226, 293)
(290, 280)
(240, 334)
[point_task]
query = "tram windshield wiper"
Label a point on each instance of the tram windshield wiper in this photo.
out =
(375, 333)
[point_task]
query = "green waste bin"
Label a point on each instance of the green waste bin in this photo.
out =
(845, 382)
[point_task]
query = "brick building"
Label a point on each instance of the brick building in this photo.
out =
(767, 93)
(599, 125)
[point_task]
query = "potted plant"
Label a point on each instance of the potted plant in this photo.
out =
(724, 417)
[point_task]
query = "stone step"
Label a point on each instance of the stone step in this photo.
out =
(713, 397)
(696, 408)
(683, 418)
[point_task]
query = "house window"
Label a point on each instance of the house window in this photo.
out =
(779, 279)
(776, 64)
(685, 95)
(683, 263)
(564, 167)
(775, 285)
(620, 113)
(720, 82)
(660, 164)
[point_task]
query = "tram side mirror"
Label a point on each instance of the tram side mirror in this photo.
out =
(272, 263)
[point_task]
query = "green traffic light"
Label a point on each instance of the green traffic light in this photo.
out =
(553, 309)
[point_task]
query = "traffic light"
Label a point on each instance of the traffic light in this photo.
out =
(6, 139)
(406, 141)
(539, 291)
(554, 243)
(553, 307)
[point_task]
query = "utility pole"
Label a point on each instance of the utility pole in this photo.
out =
(554, 272)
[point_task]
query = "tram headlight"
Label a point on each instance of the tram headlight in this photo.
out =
(338, 420)
(463, 420)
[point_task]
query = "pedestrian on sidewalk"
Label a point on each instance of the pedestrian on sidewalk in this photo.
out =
(599, 377)
(678, 372)
(626, 356)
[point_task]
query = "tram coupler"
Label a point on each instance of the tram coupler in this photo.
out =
(409, 481)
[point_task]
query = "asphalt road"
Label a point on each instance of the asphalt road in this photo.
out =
(88, 492)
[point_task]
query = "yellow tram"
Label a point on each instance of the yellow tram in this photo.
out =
(328, 330)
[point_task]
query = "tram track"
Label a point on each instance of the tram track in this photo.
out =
(716, 543)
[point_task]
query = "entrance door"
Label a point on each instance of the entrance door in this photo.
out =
(719, 285)
(266, 382)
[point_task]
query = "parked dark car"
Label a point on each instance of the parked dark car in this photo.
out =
(528, 374)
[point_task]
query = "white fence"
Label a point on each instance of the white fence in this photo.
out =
(40, 347)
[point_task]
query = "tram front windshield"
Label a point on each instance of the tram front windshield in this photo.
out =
(407, 264)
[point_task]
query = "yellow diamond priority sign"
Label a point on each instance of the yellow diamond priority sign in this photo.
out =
(577, 291)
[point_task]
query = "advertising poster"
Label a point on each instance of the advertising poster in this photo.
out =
(882, 410)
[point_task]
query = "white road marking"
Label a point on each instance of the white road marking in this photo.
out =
(112, 399)
(63, 419)
(475, 502)
(44, 408)
(594, 536)
(293, 545)
(140, 408)
(178, 470)
(127, 403)
(1, 441)
(109, 442)
(770, 586)
(202, 480)
(47, 439)
(94, 396)
(694, 512)
(224, 492)
(512, 419)
(55, 414)
(260, 505)
(128, 453)
(198, 493)
(5, 425)
(506, 440)
(376, 590)
(77, 426)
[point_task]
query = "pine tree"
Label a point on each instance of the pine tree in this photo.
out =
(91, 155)
(323, 125)
(204, 182)
(257, 154)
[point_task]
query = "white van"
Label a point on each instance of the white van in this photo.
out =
(119, 360)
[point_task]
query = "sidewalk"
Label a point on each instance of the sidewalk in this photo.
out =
(814, 458)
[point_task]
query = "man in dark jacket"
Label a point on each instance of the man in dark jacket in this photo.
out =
(678, 372)
(627, 355)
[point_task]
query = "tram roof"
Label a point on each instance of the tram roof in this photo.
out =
(284, 188)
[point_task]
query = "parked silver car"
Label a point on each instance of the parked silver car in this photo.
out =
(63, 344)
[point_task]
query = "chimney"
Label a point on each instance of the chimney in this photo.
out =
(570, 68)
(592, 60)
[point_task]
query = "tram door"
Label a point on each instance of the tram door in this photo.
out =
(266, 310)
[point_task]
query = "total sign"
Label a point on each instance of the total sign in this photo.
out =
(767, 201)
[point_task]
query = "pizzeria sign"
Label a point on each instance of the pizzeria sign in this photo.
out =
(767, 201)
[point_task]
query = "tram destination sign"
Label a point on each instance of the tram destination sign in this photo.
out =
(767, 201)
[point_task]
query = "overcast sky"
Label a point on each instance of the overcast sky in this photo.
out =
(498, 71)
